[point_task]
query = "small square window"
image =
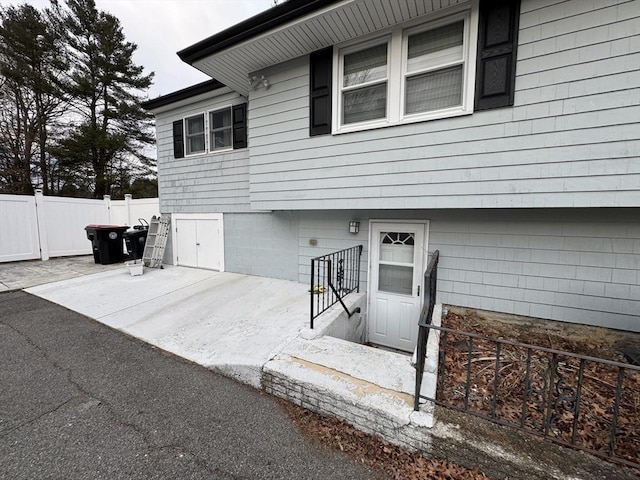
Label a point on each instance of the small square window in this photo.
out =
(195, 138)
(220, 137)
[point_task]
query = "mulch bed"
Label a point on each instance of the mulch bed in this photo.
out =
(546, 410)
(392, 461)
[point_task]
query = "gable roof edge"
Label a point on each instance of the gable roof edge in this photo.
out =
(183, 94)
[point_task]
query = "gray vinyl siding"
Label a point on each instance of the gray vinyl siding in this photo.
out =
(204, 183)
(571, 140)
(579, 266)
(572, 265)
(330, 231)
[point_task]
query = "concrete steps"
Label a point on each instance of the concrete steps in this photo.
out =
(370, 388)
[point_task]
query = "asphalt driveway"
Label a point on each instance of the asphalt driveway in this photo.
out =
(80, 400)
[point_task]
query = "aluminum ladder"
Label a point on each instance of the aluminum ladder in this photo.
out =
(156, 241)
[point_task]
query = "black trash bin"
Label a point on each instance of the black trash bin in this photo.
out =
(135, 240)
(106, 241)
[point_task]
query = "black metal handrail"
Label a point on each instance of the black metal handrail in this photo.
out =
(555, 390)
(428, 303)
(333, 276)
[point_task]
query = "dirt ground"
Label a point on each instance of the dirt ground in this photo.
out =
(394, 462)
(546, 404)
(581, 339)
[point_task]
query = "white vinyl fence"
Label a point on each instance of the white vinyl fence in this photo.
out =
(44, 227)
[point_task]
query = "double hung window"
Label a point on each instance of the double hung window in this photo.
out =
(213, 131)
(194, 134)
(364, 84)
(411, 74)
(434, 69)
(461, 59)
(220, 131)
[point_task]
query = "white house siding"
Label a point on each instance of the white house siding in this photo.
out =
(580, 266)
(207, 183)
(571, 140)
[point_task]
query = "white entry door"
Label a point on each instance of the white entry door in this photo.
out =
(199, 241)
(395, 286)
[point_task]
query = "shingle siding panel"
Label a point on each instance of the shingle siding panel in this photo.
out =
(487, 260)
(579, 267)
(559, 148)
(208, 183)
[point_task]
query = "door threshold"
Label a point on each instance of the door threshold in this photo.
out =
(388, 349)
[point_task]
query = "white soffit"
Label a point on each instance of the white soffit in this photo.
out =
(330, 26)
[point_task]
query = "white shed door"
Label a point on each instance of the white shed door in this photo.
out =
(199, 242)
(397, 256)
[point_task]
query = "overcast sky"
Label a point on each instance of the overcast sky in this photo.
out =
(160, 28)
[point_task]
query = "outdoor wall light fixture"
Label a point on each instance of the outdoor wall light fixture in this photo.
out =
(354, 227)
(256, 82)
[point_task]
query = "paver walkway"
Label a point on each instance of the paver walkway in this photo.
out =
(19, 275)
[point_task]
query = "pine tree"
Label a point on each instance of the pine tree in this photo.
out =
(32, 62)
(104, 85)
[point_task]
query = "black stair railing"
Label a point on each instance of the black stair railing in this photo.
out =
(429, 302)
(333, 276)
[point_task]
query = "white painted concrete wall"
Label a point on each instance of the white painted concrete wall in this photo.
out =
(372, 389)
(335, 322)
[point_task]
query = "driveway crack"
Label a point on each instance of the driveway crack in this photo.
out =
(112, 411)
(6, 431)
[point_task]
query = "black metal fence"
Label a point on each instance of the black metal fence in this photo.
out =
(428, 303)
(578, 401)
(333, 276)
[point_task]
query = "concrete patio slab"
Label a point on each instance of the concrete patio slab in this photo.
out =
(215, 319)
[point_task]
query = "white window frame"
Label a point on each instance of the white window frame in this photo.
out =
(397, 49)
(186, 135)
(341, 89)
(216, 110)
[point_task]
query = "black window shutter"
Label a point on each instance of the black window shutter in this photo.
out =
(321, 63)
(178, 139)
(240, 126)
(497, 48)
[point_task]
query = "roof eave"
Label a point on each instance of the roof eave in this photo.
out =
(185, 93)
(256, 25)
